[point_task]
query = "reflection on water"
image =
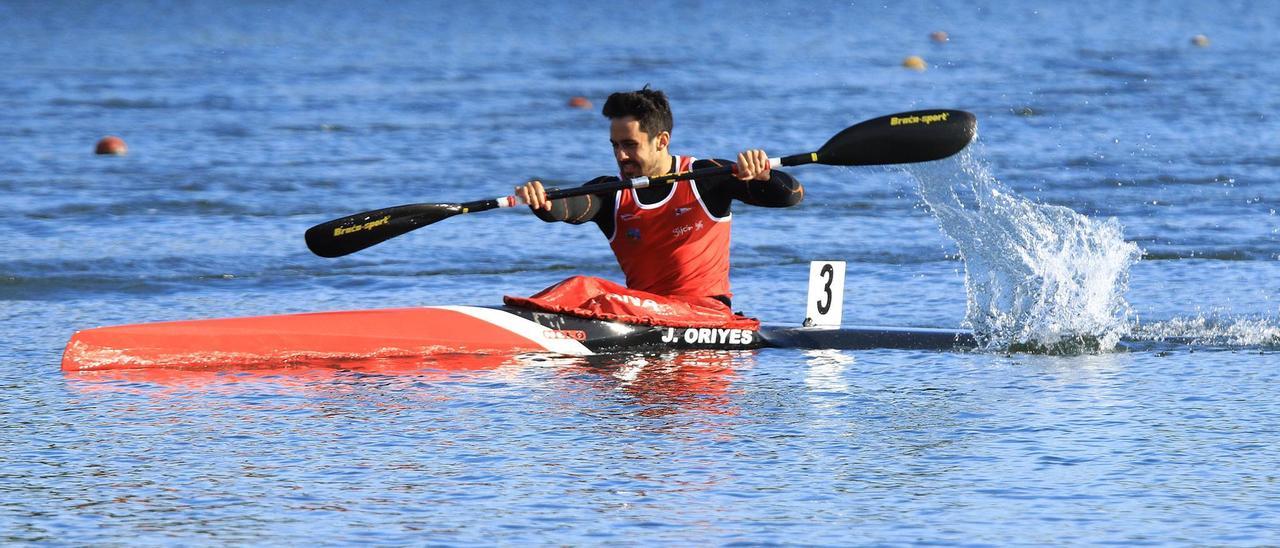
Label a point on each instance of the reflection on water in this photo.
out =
(659, 383)
(535, 443)
(674, 382)
(826, 370)
(377, 371)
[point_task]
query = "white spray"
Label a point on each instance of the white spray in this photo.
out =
(1037, 276)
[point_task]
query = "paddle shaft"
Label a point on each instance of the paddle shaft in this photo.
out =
(636, 182)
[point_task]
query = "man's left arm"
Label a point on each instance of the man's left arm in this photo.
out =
(777, 189)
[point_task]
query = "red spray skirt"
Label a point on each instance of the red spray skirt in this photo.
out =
(588, 297)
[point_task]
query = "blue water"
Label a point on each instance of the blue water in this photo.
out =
(249, 122)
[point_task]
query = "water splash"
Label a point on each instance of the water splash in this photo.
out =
(1038, 277)
(1215, 330)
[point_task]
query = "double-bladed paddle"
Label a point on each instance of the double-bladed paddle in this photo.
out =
(903, 138)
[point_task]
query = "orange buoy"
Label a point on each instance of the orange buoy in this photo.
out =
(1200, 40)
(939, 36)
(914, 63)
(111, 145)
(579, 102)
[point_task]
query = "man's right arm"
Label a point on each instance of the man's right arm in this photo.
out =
(573, 210)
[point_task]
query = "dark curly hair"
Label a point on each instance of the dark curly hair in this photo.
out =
(647, 106)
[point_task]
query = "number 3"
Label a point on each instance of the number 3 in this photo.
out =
(830, 273)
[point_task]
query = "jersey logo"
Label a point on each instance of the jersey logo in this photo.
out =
(682, 210)
(627, 216)
(682, 230)
(633, 233)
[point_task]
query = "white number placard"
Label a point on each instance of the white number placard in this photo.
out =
(826, 294)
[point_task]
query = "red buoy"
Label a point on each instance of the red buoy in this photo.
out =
(112, 145)
(579, 102)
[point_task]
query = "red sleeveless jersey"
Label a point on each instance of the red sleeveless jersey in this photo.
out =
(673, 247)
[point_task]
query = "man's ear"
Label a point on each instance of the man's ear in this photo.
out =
(664, 140)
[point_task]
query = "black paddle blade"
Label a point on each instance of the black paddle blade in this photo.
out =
(903, 138)
(355, 232)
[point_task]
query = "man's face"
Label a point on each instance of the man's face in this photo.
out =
(636, 152)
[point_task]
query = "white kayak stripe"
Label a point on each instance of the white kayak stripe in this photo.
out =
(525, 328)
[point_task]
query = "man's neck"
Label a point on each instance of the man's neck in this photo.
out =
(668, 164)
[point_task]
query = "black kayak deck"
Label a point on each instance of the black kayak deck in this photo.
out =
(606, 336)
(867, 337)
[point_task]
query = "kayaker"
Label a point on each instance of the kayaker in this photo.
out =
(672, 241)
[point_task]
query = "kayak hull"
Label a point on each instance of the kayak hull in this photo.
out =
(335, 337)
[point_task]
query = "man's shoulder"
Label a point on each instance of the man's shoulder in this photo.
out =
(710, 185)
(709, 162)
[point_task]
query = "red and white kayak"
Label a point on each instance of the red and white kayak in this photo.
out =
(336, 337)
